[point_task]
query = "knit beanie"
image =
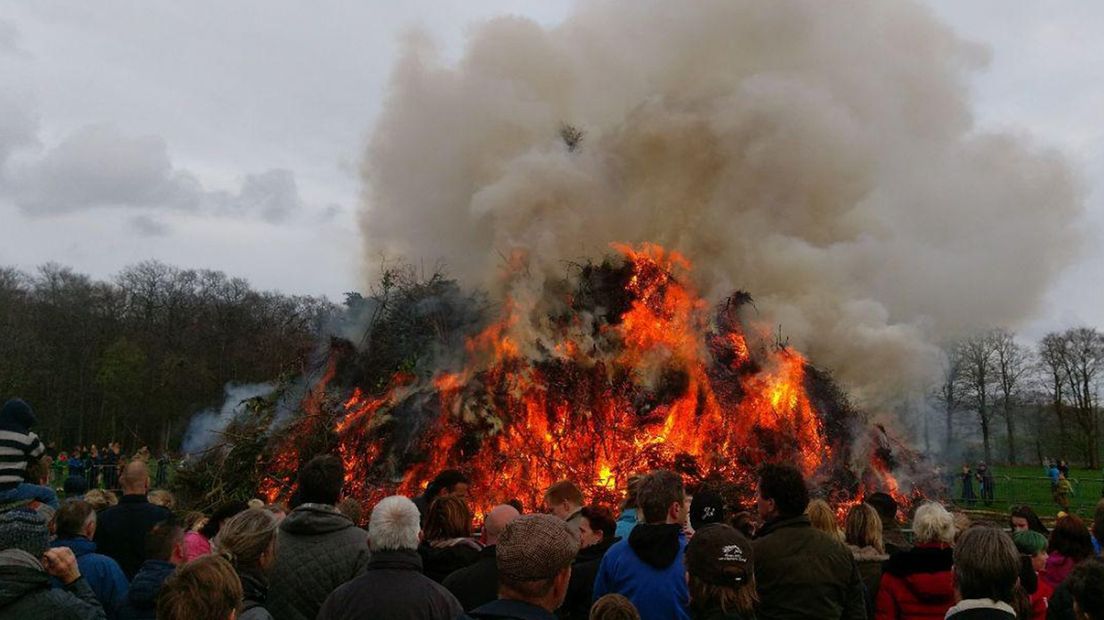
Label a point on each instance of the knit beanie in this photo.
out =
(26, 530)
(1029, 542)
(16, 415)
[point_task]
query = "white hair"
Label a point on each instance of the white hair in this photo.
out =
(395, 524)
(933, 523)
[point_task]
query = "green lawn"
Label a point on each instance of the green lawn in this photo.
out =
(1016, 485)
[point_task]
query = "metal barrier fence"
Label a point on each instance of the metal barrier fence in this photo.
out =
(1036, 492)
(103, 476)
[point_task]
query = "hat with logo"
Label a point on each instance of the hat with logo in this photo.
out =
(719, 555)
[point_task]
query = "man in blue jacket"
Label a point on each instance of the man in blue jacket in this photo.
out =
(76, 524)
(648, 568)
(165, 550)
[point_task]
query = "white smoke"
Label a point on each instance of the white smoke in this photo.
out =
(820, 155)
(206, 427)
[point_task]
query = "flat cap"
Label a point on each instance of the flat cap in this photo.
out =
(535, 547)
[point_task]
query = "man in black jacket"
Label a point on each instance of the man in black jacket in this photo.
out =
(801, 572)
(596, 536)
(122, 529)
(393, 586)
(477, 584)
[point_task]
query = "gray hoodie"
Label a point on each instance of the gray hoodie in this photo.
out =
(317, 550)
(25, 592)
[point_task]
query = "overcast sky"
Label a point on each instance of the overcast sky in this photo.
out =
(227, 135)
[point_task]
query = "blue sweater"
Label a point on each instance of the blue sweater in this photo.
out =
(102, 573)
(658, 593)
(625, 523)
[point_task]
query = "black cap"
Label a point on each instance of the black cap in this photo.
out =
(719, 555)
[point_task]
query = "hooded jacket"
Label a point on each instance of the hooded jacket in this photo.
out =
(477, 584)
(317, 550)
(25, 592)
(392, 587)
(917, 583)
(802, 572)
(102, 573)
(869, 560)
(648, 569)
(141, 600)
(254, 594)
(580, 590)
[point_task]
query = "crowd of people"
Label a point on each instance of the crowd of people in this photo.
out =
(669, 553)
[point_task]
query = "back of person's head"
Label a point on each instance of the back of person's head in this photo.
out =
(706, 508)
(886, 506)
(246, 537)
(135, 478)
(933, 524)
(206, 587)
(228, 509)
(863, 527)
(657, 492)
(719, 562)
(600, 519)
(72, 518)
(1071, 538)
(564, 491)
(631, 489)
(394, 524)
(533, 558)
(823, 518)
(97, 498)
(321, 480)
(163, 498)
(986, 564)
(350, 507)
(163, 539)
(449, 517)
(75, 486)
(445, 482)
(496, 521)
(25, 530)
(1086, 584)
(613, 607)
(786, 486)
(38, 470)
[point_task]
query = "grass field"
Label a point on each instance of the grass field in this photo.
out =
(1016, 485)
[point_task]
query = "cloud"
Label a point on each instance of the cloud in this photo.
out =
(18, 123)
(148, 226)
(271, 195)
(9, 39)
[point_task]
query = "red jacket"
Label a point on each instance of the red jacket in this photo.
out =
(1040, 599)
(916, 584)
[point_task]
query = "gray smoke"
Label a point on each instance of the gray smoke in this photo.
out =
(821, 155)
(206, 427)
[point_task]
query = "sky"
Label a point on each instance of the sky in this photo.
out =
(228, 135)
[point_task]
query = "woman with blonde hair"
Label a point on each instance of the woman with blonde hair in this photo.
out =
(919, 582)
(448, 545)
(248, 541)
(862, 531)
(823, 518)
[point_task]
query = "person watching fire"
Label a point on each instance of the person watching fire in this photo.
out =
(565, 500)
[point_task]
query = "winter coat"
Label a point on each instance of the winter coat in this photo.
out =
(716, 613)
(25, 592)
(625, 523)
(580, 590)
(255, 591)
(1058, 567)
(1040, 598)
(869, 561)
(317, 550)
(648, 569)
(981, 609)
(801, 572)
(895, 540)
(102, 573)
(121, 531)
(392, 587)
(477, 584)
(441, 558)
(511, 610)
(141, 600)
(916, 584)
(195, 545)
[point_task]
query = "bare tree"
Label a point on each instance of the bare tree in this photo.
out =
(1013, 361)
(1082, 361)
(949, 393)
(1053, 377)
(978, 381)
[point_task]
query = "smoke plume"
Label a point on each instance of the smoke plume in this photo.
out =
(822, 156)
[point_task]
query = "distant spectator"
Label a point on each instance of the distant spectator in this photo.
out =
(1063, 491)
(823, 518)
(448, 545)
(1024, 518)
(564, 500)
(193, 521)
(1070, 543)
(121, 533)
(863, 534)
(75, 486)
(534, 558)
(26, 565)
(165, 551)
(477, 584)
(448, 482)
(164, 463)
(351, 508)
(76, 526)
(893, 538)
(162, 498)
(198, 543)
(596, 536)
(801, 571)
(206, 587)
(706, 508)
(988, 486)
(1033, 556)
(1086, 585)
(967, 477)
(721, 574)
(393, 585)
(613, 607)
(317, 548)
(648, 568)
(248, 541)
(919, 582)
(629, 510)
(986, 569)
(20, 446)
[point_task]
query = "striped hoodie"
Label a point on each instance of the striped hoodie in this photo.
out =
(17, 443)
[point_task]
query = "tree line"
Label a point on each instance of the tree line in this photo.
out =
(1039, 400)
(133, 358)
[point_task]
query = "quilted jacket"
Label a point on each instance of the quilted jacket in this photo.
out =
(317, 550)
(916, 584)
